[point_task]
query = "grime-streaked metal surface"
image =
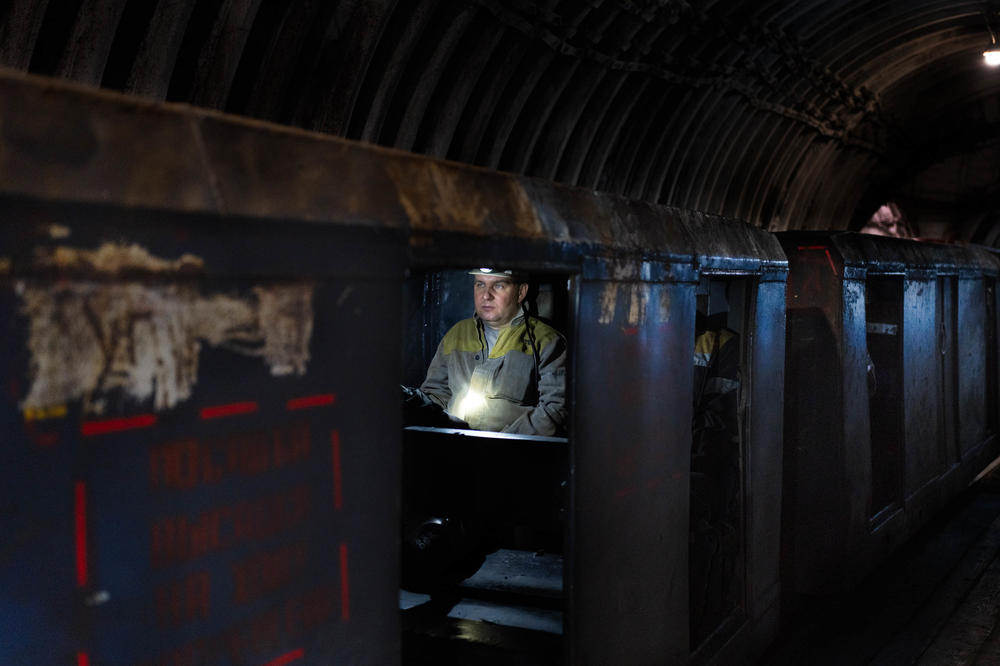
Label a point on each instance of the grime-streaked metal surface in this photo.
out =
(631, 457)
(631, 463)
(832, 531)
(63, 142)
(197, 470)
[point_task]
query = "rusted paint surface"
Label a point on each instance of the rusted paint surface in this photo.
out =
(191, 439)
(267, 171)
(441, 196)
(111, 258)
(90, 337)
(62, 142)
(663, 314)
(634, 296)
(92, 147)
(609, 302)
(433, 197)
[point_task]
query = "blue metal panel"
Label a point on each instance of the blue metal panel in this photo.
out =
(972, 356)
(631, 456)
(202, 456)
(764, 460)
(921, 385)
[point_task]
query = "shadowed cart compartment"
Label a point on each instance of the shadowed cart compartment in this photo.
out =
(490, 510)
(641, 488)
(605, 516)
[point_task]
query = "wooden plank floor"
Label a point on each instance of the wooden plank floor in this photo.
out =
(935, 602)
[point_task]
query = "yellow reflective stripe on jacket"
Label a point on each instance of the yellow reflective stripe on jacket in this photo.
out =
(465, 337)
(705, 345)
(512, 338)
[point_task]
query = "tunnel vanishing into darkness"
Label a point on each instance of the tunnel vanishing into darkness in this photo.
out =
(788, 115)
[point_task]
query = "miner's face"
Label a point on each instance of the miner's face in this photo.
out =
(498, 299)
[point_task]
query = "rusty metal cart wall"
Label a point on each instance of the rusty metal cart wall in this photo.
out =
(197, 469)
(201, 393)
(891, 395)
(636, 269)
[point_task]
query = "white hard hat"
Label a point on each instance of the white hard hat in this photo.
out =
(512, 274)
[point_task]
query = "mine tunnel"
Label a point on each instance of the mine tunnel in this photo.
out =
(499, 332)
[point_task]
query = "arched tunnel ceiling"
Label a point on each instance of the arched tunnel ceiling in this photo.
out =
(789, 115)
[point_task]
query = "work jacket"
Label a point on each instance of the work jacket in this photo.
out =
(715, 458)
(517, 387)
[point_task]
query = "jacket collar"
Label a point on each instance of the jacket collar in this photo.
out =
(516, 321)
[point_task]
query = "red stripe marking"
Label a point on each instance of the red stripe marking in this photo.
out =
(345, 592)
(80, 531)
(82, 659)
(305, 402)
(826, 250)
(90, 428)
(47, 439)
(287, 658)
(338, 496)
(633, 330)
(833, 267)
(232, 409)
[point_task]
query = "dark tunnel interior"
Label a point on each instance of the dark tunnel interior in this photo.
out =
(758, 358)
(801, 115)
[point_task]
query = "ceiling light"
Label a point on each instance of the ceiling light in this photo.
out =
(992, 52)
